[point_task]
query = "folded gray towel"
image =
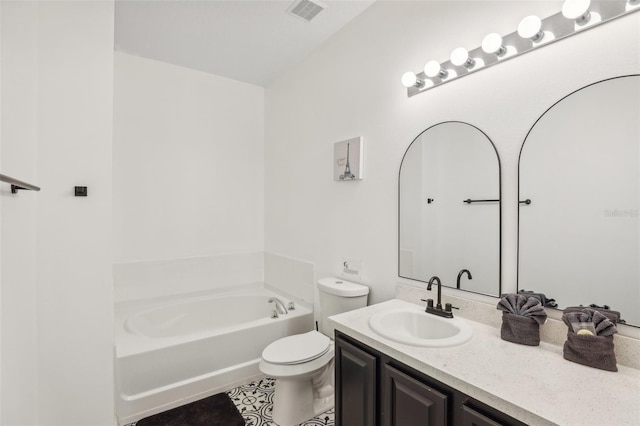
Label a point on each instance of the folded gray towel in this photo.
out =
(519, 329)
(573, 317)
(593, 351)
(603, 323)
(522, 317)
(541, 296)
(533, 308)
(604, 326)
(524, 306)
(613, 316)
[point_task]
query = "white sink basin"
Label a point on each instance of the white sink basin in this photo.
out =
(413, 326)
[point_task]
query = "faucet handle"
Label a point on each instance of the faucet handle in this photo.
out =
(292, 306)
(274, 313)
(429, 302)
(448, 306)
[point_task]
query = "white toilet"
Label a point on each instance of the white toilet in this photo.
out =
(302, 364)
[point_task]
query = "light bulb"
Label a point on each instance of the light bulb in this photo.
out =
(577, 10)
(460, 57)
(492, 43)
(531, 28)
(409, 79)
(434, 69)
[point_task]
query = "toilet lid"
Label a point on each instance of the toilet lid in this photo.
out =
(297, 349)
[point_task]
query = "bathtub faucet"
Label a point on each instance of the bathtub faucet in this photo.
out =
(279, 305)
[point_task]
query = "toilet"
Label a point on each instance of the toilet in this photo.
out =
(303, 364)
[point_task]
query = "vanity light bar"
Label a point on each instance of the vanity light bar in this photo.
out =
(576, 16)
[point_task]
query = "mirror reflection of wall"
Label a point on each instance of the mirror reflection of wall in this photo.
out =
(579, 238)
(440, 234)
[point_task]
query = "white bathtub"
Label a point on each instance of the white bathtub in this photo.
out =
(178, 351)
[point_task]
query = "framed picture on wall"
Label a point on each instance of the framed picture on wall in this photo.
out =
(347, 159)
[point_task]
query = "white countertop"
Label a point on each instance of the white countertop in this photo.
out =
(533, 384)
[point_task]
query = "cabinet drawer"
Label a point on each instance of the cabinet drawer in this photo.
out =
(471, 417)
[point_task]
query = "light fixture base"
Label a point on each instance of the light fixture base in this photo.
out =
(513, 46)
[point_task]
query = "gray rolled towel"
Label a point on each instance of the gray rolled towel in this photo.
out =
(604, 326)
(521, 305)
(613, 316)
(522, 317)
(603, 323)
(519, 329)
(541, 296)
(593, 351)
(573, 317)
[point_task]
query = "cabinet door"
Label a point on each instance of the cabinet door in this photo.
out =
(471, 417)
(410, 402)
(356, 383)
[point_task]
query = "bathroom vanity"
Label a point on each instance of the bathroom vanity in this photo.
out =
(375, 389)
(485, 381)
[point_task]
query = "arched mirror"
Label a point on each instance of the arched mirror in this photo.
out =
(449, 209)
(579, 165)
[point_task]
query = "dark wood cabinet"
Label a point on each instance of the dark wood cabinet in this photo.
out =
(410, 402)
(356, 385)
(471, 417)
(373, 389)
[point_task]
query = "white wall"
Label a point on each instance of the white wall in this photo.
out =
(168, 278)
(188, 163)
(75, 295)
(0, 209)
(294, 277)
(57, 300)
(351, 87)
(18, 150)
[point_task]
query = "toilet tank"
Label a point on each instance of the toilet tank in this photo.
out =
(338, 296)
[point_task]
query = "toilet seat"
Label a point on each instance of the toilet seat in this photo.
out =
(298, 371)
(297, 349)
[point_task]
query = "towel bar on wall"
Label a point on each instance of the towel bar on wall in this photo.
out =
(469, 201)
(18, 184)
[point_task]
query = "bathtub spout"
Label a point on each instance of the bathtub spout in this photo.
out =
(279, 305)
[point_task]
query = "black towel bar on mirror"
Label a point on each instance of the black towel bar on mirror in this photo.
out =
(18, 184)
(469, 201)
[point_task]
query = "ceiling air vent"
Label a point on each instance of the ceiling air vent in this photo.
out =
(306, 9)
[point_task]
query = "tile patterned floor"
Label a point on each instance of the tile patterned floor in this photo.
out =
(255, 401)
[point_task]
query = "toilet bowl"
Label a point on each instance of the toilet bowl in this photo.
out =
(303, 364)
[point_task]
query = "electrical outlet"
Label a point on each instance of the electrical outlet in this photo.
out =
(350, 268)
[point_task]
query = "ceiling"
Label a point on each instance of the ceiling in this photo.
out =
(253, 41)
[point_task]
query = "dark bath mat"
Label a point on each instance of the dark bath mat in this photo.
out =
(216, 410)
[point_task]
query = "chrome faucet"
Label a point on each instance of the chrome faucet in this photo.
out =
(462, 271)
(279, 305)
(437, 310)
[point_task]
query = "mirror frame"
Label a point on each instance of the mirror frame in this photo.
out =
(499, 207)
(520, 159)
